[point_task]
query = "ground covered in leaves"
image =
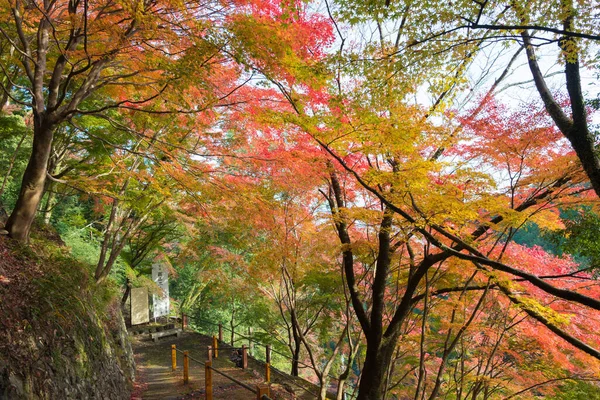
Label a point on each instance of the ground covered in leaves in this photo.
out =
(156, 380)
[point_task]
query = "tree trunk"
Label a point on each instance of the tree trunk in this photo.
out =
(232, 325)
(343, 377)
(296, 356)
(340, 393)
(49, 204)
(377, 361)
(575, 127)
(323, 382)
(127, 292)
(108, 234)
(114, 254)
(19, 223)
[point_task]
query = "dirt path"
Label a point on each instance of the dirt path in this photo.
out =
(161, 383)
(157, 381)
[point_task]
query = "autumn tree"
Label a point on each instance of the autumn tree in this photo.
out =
(569, 25)
(432, 205)
(82, 58)
(468, 35)
(63, 67)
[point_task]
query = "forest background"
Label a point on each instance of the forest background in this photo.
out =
(402, 197)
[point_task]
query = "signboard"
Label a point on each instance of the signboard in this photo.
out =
(139, 306)
(160, 301)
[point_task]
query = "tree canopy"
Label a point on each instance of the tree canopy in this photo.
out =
(364, 183)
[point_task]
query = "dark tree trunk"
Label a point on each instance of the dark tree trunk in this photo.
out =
(296, 359)
(126, 294)
(232, 325)
(19, 223)
(575, 127)
(297, 345)
(377, 361)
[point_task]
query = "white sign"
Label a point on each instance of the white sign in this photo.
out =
(160, 301)
(139, 306)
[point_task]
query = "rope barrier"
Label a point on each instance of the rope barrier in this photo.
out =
(190, 357)
(283, 374)
(209, 366)
(234, 380)
(272, 350)
(287, 357)
(198, 361)
(257, 342)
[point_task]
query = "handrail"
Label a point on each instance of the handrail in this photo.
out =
(231, 378)
(283, 374)
(262, 344)
(190, 357)
(257, 342)
(242, 384)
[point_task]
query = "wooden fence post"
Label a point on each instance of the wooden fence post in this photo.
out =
(215, 347)
(268, 363)
(208, 389)
(221, 332)
(244, 357)
(186, 367)
(267, 372)
(209, 353)
(268, 354)
(262, 390)
(173, 357)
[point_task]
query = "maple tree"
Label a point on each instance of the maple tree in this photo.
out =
(572, 28)
(409, 187)
(435, 197)
(518, 147)
(421, 171)
(83, 58)
(286, 164)
(306, 287)
(51, 41)
(465, 29)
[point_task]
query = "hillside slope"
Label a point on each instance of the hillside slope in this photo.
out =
(61, 335)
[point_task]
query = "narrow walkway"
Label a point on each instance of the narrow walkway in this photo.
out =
(161, 383)
(155, 379)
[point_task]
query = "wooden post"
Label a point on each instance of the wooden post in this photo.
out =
(261, 390)
(208, 389)
(173, 357)
(267, 372)
(221, 332)
(244, 357)
(184, 322)
(215, 347)
(186, 367)
(268, 354)
(209, 353)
